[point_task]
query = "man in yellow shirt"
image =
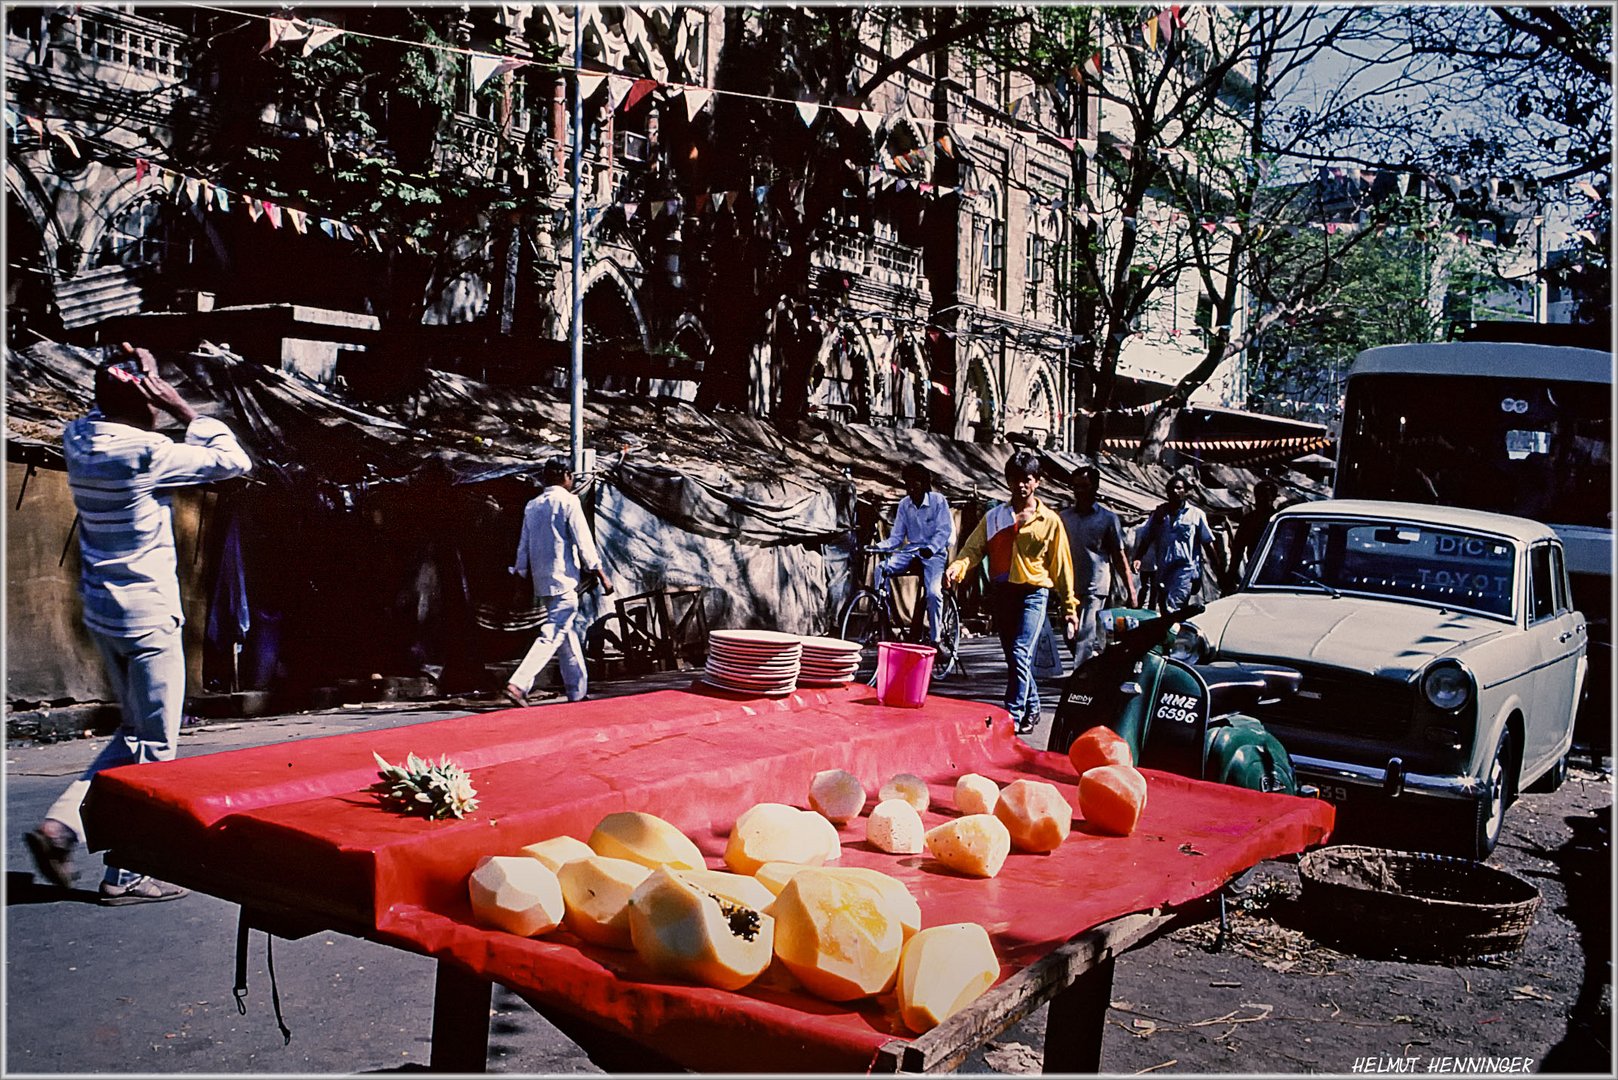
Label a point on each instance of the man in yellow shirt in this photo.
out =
(1028, 557)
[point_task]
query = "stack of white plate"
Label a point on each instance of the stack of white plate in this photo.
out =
(753, 661)
(828, 661)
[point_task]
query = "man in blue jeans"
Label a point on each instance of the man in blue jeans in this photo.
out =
(553, 553)
(1178, 540)
(122, 474)
(922, 535)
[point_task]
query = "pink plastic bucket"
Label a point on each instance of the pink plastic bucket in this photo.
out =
(903, 672)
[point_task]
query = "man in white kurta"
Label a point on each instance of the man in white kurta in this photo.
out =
(554, 551)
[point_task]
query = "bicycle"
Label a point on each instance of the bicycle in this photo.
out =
(870, 616)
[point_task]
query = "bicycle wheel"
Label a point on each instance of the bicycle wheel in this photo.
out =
(949, 636)
(862, 622)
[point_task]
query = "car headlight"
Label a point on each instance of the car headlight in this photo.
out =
(1447, 686)
(1188, 644)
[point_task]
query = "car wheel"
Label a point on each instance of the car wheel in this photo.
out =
(1554, 778)
(1492, 803)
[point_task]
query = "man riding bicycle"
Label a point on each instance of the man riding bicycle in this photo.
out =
(923, 535)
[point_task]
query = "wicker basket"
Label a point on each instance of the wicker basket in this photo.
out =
(1377, 902)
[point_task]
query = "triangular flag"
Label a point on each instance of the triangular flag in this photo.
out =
(618, 87)
(1174, 10)
(62, 133)
(1209, 226)
(702, 201)
(169, 180)
(1148, 30)
(318, 36)
(273, 212)
(629, 209)
(1584, 187)
(1331, 228)
(483, 66)
(1069, 143)
(254, 209)
(851, 115)
(329, 227)
(695, 98)
(1234, 226)
(284, 32)
(946, 144)
(1089, 146)
(807, 111)
(36, 125)
(299, 219)
(641, 88)
(588, 84)
(730, 199)
(1092, 67)
(141, 165)
(1165, 23)
(222, 197)
(193, 188)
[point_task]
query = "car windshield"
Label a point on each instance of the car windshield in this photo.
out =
(1397, 560)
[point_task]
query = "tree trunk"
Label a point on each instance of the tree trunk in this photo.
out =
(1158, 427)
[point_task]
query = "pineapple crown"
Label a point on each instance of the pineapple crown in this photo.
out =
(420, 787)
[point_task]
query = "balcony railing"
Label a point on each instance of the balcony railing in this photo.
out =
(114, 37)
(873, 257)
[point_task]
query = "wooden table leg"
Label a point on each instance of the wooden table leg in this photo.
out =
(461, 1002)
(1076, 1020)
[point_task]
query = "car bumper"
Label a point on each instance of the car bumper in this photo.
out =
(1390, 779)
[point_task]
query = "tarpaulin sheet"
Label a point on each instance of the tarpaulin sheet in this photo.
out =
(291, 827)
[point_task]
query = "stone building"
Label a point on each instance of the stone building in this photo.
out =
(936, 300)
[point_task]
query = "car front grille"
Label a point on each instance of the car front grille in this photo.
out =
(1331, 700)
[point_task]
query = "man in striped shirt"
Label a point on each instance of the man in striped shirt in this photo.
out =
(1028, 558)
(122, 473)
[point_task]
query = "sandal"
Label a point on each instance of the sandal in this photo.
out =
(515, 696)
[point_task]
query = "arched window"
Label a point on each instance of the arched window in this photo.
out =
(146, 232)
(1039, 417)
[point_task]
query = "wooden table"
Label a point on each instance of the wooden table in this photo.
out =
(290, 833)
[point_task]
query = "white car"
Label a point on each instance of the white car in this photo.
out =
(1442, 661)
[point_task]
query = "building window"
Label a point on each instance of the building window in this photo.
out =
(139, 236)
(1034, 263)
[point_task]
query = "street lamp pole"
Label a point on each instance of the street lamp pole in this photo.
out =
(575, 417)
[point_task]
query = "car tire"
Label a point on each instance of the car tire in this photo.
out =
(1489, 812)
(1554, 778)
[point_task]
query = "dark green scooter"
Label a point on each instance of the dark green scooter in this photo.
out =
(1179, 717)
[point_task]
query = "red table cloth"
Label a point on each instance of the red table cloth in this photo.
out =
(291, 827)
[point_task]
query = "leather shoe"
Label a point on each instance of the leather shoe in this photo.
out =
(1026, 727)
(143, 890)
(52, 850)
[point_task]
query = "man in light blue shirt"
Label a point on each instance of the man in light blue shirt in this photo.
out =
(1178, 540)
(554, 551)
(923, 535)
(122, 474)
